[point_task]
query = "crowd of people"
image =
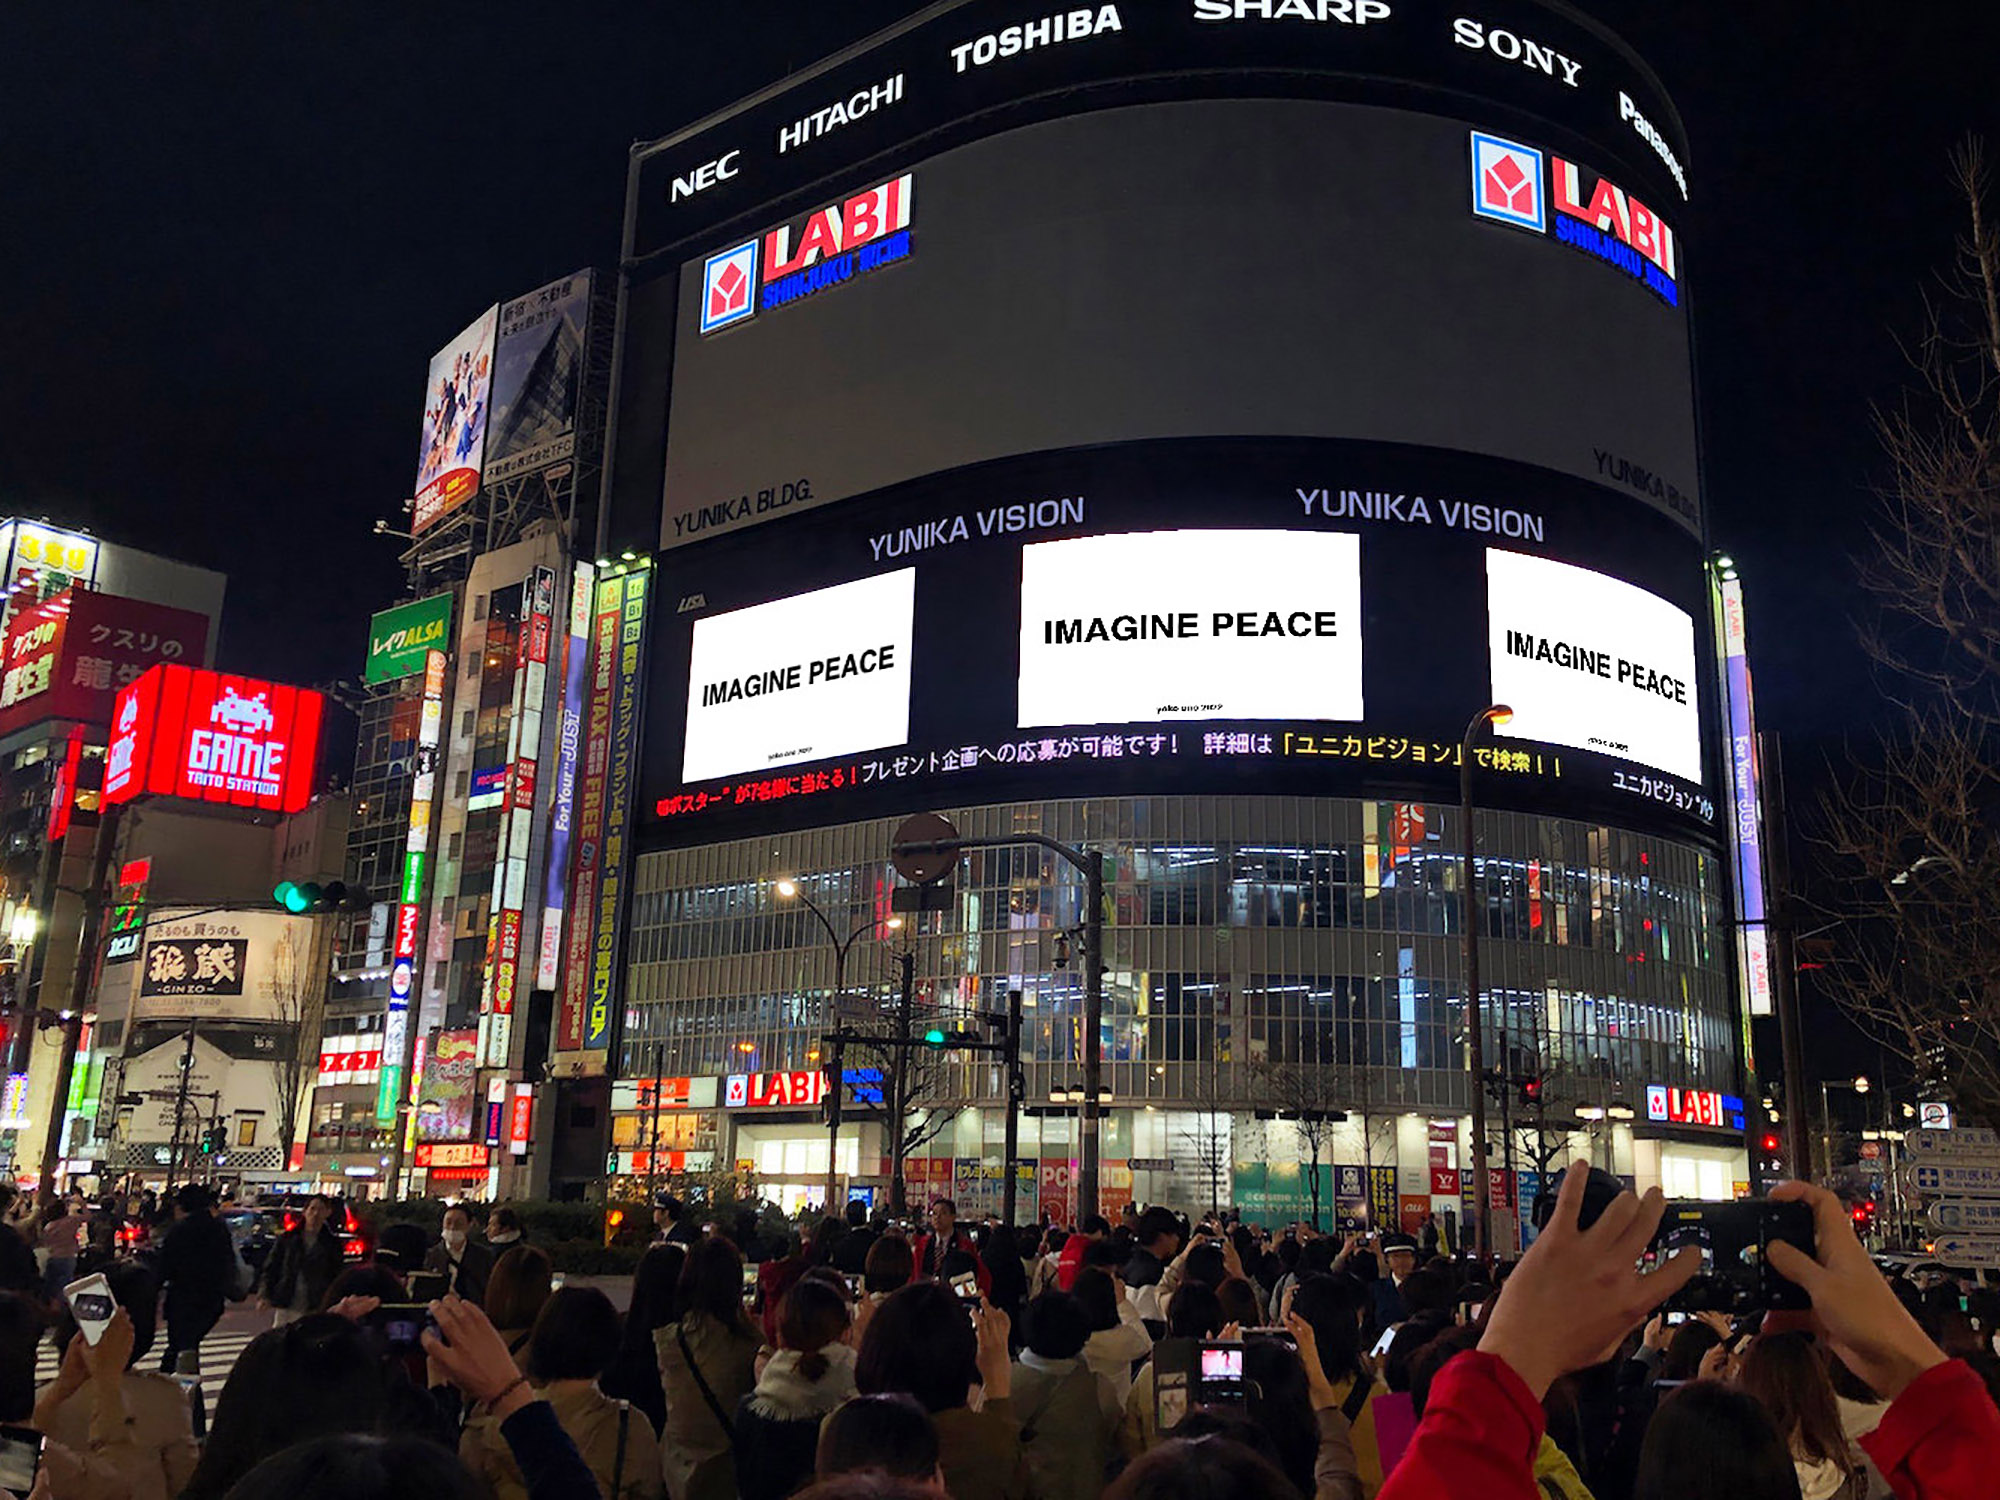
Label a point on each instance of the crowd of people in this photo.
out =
(1153, 1359)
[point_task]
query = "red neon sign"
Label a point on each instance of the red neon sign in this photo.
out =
(210, 737)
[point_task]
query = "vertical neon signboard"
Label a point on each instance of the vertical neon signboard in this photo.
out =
(1746, 827)
(409, 899)
(562, 810)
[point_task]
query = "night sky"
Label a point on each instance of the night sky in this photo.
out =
(235, 235)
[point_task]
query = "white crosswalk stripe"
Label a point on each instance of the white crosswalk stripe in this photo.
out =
(218, 1358)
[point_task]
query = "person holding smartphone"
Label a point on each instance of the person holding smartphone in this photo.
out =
(97, 1394)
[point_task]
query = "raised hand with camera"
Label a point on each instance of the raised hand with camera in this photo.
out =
(1941, 1433)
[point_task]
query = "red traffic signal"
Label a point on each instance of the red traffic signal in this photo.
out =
(1771, 1143)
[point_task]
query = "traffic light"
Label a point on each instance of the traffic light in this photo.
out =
(1531, 1092)
(301, 898)
(1771, 1154)
(939, 1039)
(213, 1139)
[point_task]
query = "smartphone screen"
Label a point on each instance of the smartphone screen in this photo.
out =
(1675, 1319)
(965, 1286)
(91, 1302)
(20, 1458)
(1221, 1377)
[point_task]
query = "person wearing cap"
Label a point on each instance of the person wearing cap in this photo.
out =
(671, 1220)
(1399, 1259)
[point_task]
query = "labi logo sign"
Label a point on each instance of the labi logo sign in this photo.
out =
(1529, 189)
(794, 261)
(400, 639)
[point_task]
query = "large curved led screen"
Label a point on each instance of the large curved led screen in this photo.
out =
(1255, 267)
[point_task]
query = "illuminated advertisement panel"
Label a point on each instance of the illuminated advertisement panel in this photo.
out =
(210, 737)
(409, 905)
(401, 639)
(1747, 824)
(573, 1013)
(1389, 583)
(1189, 625)
(620, 777)
(1109, 277)
(562, 809)
(453, 446)
(537, 375)
(1588, 661)
(800, 679)
(67, 657)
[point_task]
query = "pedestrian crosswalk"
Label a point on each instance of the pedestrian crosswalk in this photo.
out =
(218, 1357)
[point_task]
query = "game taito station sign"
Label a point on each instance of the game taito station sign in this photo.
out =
(399, 639)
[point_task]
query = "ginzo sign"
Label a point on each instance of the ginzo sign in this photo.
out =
(209, 737)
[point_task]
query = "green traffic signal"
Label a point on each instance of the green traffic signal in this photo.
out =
(296, 898)
(935, 1036)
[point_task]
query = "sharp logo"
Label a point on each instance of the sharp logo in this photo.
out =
(832, 245)
(1341, 12)
(1581, 208)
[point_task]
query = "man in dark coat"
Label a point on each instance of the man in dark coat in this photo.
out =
(198, 1264)
(303, 1263)
(464, 1261)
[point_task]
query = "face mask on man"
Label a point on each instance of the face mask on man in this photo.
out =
(504, 1238)
(454, 1239)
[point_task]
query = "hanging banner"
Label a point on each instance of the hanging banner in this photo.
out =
(510, 870)
(572, 1016)
(562, 810)
(618, 778)
(409, 906)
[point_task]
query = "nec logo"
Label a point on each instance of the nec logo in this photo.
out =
(1507, 183)
(729, 287)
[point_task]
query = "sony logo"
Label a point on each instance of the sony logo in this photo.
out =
(1508, 46)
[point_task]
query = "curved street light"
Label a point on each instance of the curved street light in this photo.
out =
(1494, 714)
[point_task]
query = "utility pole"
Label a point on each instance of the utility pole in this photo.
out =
(838, 1055)
(71, 1021)
(180, 1109)
(1785, 963)
(899, 1077)
(1016, 1096)
(653, 1134)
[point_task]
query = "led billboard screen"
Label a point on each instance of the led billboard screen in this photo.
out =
(1141, 273)
(1190, 625)
(1587, 661)
(457, 396)
(210, 737)
(1079, 624)
(800, 679)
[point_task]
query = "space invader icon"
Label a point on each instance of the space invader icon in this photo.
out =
(729, 286)
(1507, 182)
(244, 715)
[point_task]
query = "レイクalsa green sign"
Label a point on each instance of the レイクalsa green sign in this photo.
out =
(399, 639)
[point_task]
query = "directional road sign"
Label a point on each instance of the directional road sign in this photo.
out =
(1967, 1142)
(1967, 1250)
(1955, 1179)
(1966, 1217)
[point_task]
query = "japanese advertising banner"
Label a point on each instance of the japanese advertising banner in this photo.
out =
(67, 657)
(451, 1081)
(618, 779)
(456, 398)
(537, 372)
(243, 965)
(572, 1019)
(401, 639)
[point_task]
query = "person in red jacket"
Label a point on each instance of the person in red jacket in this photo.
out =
(1093, 1229)
(1576, 1294)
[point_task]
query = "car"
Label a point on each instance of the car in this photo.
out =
(285, 1212)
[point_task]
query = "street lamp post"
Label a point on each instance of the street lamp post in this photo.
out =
(1860, 1086)
(790, 890)
(1495, 714)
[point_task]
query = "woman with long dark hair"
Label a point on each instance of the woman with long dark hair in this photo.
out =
(1787, 1377)
(634, 1374)
(708, 1358)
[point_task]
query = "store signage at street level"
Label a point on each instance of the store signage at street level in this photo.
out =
(774, 1090)
(458, 1154)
